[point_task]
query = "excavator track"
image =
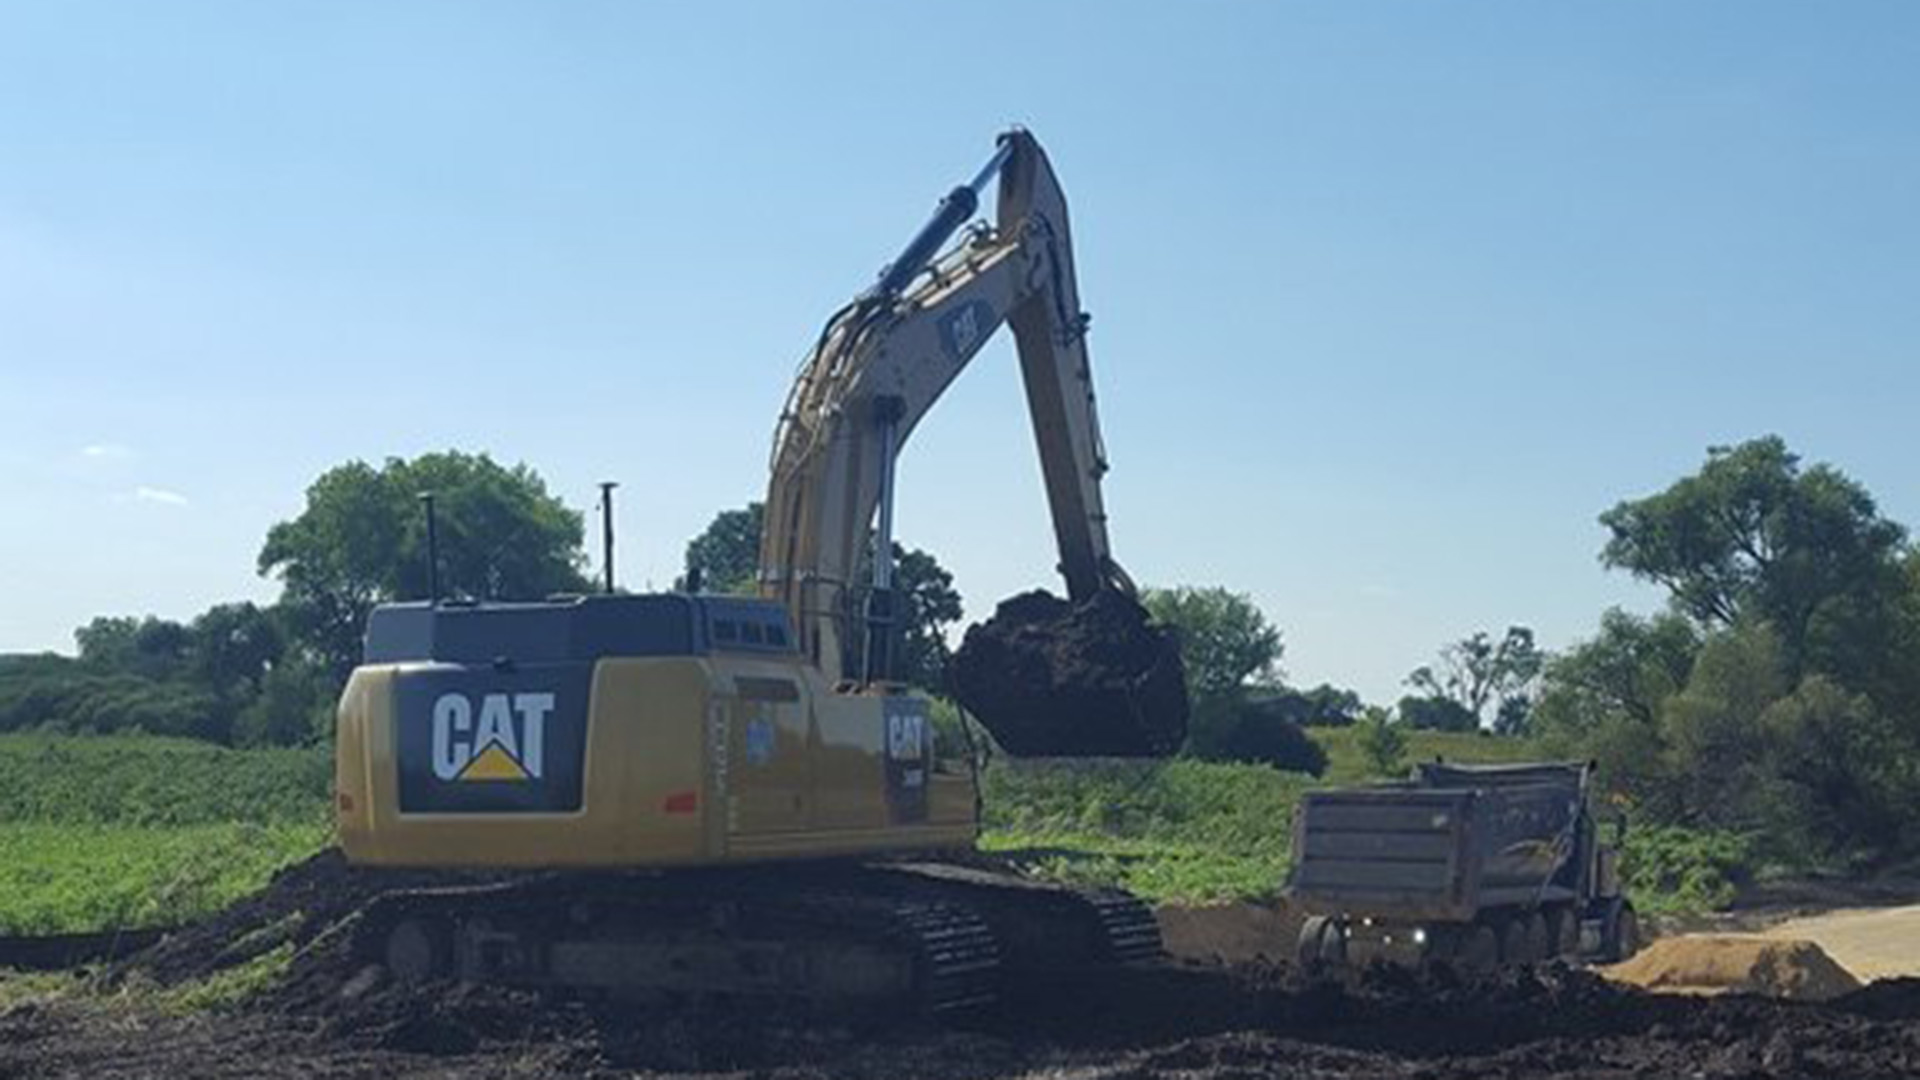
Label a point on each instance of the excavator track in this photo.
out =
(925, 938)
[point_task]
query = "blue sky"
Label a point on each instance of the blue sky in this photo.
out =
(1390, 299)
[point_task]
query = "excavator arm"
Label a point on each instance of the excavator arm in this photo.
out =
(882, 362)
(886, 358)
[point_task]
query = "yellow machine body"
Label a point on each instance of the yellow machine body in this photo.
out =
(714, 757)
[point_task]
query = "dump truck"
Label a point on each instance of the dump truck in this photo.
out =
(1476, 866)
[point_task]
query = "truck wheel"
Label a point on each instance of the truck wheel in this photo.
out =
(1479, 949)
(1516, 941)
(1539, 938)
(1623, 932)
(1563, 932)
(1321, 942)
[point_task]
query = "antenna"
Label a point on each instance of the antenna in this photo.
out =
(606, 529)
(433, 549)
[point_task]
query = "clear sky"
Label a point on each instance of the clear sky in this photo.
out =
(1390, 299)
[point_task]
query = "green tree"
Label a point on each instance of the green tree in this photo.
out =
(928, 605)
(294, 705)
(1382, 742)
(1225, 639)
(925, 605)
(361, 540)
(1232, 655)
(1477, 671)
(235, 646)
(1325, 705)
(1434, 712)
(725, 557)
(1754, 534)
(150, 647)
(1628, 670)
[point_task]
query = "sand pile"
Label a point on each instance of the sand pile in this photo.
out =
(1737, 963)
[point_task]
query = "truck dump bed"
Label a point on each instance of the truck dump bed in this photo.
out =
(1454, 841)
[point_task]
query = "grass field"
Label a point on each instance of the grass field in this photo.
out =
(98, 832)
(1184, 830)
(123, 831)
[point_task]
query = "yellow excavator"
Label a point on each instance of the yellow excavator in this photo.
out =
(721, 796)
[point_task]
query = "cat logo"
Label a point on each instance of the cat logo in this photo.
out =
(503, 742)
(963, 331)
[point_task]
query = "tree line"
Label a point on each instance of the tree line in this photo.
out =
(1776, 699)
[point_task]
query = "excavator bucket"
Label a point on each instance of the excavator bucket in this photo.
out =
(1049, 678)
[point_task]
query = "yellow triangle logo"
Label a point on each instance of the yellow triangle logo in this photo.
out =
(493, 763)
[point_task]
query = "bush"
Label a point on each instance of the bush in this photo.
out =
(1231, 728)
(1436, 714)
(1172, 830)
(130, 780)
(1668, 868)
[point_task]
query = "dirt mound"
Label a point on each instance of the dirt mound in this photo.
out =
(1228, 933)
(307, 905)
(1737, 963)
(1885, 999)
(1051, 678)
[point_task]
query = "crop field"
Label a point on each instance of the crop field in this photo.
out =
(99, 833)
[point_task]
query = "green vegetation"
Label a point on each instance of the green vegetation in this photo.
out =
(1769, 719)
(105, 832)
(74, 878)
(1476, 672)
(241, 675)
(1347, 761)
(1778, 699)
(1671, 870)
(1173, 830)
(229, 986)
(153, 782)
(1184, 830)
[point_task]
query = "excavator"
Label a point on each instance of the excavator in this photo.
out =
(690, 796)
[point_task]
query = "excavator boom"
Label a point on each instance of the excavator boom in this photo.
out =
(882, 362)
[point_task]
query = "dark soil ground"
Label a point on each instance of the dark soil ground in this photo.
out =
(331, 1017)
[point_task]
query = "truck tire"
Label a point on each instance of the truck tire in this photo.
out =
(1479, 949)
(1321, 942)
(1623, 932)
(1563, 932)
(1517, 943)
(1539, 947)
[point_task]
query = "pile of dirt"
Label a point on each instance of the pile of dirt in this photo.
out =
(1737, 963)
(1885, 999)
(1049, 678)
(309, 905)
(1228, 933)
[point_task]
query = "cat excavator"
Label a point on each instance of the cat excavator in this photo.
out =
(692, 796)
